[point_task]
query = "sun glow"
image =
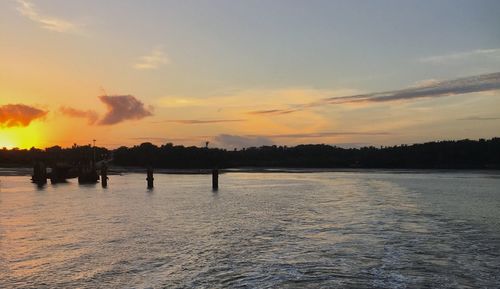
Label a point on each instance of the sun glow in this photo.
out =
(5, 142)
(19, 137)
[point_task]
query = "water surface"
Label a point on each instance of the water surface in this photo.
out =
(260, 230)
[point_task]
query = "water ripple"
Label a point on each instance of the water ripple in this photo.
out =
(314, 230)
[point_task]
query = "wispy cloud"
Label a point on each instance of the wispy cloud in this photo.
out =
(478, 83)
(273, 111)
(12, 115)
(90, 115)
(123, 107)
(438, 59)
(153, 60)
(30, 11)
(433, 89)
(479, 118)
(201, 121)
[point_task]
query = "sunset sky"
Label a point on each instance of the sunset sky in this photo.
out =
(248, 73)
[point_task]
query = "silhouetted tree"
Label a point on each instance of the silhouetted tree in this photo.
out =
(462, 154)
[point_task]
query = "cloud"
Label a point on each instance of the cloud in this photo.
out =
(273, 111)
(479, 118)
(259, 98)
(121, 108)
(12, 115)
(235, 141)
(154, 60)
(427, 89)
(28, 9)
(199, 121)
(90, 115)
(438, 59)
(175, 102)
(478, 83)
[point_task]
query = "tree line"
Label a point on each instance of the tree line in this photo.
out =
(461, 154)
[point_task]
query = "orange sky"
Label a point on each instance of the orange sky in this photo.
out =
(76, 71)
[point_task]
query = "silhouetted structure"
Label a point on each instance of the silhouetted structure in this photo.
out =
(39, 176)
(88, 177)
(150, 178)
(215, 179)
(104, 175)
(60, 173)
(87, 173)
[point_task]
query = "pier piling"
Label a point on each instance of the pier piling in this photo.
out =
(104, 175)
(215, 179)
(39, 174)
(150, 178)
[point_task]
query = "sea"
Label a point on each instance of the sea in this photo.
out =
(296, 229)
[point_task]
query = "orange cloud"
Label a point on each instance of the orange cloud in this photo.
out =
(12, 115)
(90, 115)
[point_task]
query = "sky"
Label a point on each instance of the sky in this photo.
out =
(248, 72)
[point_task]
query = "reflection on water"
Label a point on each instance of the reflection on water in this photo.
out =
(314, 230)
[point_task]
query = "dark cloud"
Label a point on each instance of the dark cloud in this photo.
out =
(479, 118)
(199, 121)
(121, 108)
(478, 83)
(90, 115)
(235, 141)
(12, 115)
